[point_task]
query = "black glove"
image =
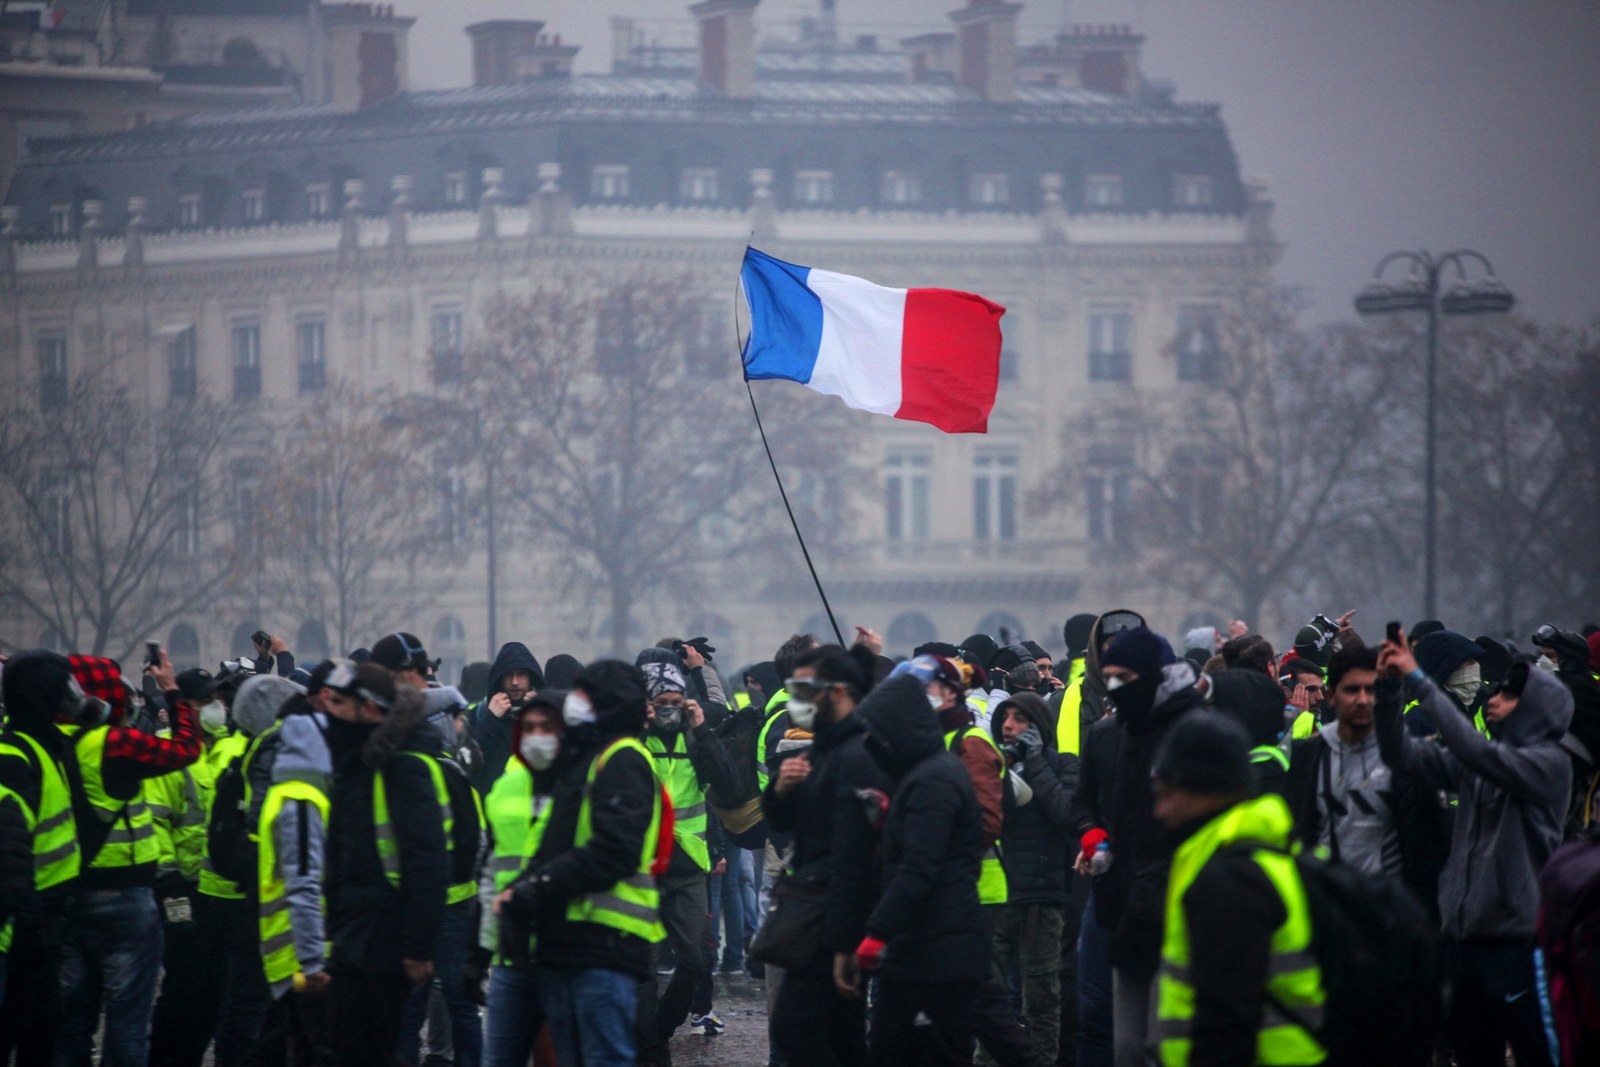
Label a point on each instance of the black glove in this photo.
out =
(523, 903)
(701, 645)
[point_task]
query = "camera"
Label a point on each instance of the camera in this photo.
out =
(1325, 624)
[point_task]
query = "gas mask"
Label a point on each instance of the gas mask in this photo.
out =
(669, 717)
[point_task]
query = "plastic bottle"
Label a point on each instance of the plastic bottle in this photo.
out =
(1100, 862)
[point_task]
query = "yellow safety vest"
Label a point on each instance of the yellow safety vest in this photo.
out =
(278, 956)
(633, 905)
(27, 817)
(1069, 724)
(56, 858)
(131, 837)
(180, 822)
(1294, 980)
(517, 819)
(1304, 725)
(992, 886)
(214, 761)
(1270, 754)
(388, 844)
(780, 697)
(674, 771)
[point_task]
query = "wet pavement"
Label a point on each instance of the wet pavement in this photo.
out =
(742, 1007)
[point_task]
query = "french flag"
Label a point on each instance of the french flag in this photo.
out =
(928, 355)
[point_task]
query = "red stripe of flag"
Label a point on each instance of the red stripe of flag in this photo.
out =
(949, 359)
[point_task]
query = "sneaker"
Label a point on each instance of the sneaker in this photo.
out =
(707, 1024)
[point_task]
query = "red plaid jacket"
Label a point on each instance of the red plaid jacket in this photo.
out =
(131, 752)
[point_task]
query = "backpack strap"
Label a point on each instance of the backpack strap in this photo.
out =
(92, 830)
(1327, 798)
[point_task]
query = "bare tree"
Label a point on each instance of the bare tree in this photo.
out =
(1267, 452)
(607, 417)
(348, 528)
(108, 509)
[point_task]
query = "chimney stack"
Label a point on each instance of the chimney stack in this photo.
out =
(727, 46)
(496, 45)
(986, 48)
(366, 53)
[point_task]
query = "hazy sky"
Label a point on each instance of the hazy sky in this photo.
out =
(1380, 124)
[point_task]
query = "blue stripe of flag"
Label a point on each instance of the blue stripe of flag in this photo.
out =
(785, 320)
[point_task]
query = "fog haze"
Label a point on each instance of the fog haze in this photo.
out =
(1380, 124)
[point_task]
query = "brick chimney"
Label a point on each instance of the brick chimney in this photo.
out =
(930, 57)
(366, 53)
(1102, 57)
(727, 46)
(495, 46)
(986, 49)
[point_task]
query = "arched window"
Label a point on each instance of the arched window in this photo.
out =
(183, 647)
(240, 644)
(450, 645)
(1003, 626)
(311, 642)
(909, 630)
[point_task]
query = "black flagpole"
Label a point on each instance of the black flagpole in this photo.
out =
(779, 478)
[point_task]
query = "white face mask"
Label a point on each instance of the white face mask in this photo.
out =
(1463, 683)
(576, 710)
(802, 713)
(935, 702)
(1114, 682)
(539, 750)
(214, 717)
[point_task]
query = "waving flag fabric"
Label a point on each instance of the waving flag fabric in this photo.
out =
(928, 355)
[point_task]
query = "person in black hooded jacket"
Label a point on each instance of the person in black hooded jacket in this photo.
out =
(383, 912)
(512, 676)
(1255, 702)
(590, 970)
(820, 1015)
(926, 934)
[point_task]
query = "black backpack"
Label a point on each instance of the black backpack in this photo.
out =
(228, 845)
(1381, 973)
(740, 814)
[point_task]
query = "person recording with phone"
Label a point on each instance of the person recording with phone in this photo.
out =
(272, 654)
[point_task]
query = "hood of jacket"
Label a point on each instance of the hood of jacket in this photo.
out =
(1091, 659)
(34, 684)
(302, 754)
(405, 726)
(514, 656)
(616, 689)
(1254, 700)
(560, 670)
(259, 699)
(1034, 707)
(1543, 712)
(442, 704)
(904, 731)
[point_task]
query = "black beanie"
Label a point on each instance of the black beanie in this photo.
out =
(1254, 700)
(1076, 634)
(1422, 629)
(979, 650)
(34, 685)
(1206, 753)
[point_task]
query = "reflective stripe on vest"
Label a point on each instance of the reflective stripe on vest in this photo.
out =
(56, 858)
(1270, 754)
(31, 823)
(517, 820)
(992, 887)
(780, 697)
(1069, 724)
(278, 955)
(674, 771)
(383, 829)
(1293, 978)
(632, 906)
(130, 838)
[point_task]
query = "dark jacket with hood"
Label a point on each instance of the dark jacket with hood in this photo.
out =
(621, 802)
(1093, 704)
(373, 925)
(1130, 898)
(1256, 703)
(1035, 846)
(929, 913)
(833, 843)
(1512, 786)
(493, 734)
(33, 683)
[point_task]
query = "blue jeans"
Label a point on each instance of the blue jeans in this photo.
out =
(727, 909)
(456, 937)
(111, 955)
(1094, 991)
(750, 862)
(591, 1013)
(515, 1017)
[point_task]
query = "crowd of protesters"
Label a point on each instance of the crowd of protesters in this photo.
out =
(1353, 851)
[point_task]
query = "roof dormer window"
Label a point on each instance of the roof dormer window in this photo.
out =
(254, 203)
(455, 188)
(901, 187)
(609, 181)
(1191, 191)
(317, 200)
(991, 189)
(189, 210)
(814, 186)
(698, 184)
(1102, 190)
(60, 220)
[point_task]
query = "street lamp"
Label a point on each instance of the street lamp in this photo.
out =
(1419, 291)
